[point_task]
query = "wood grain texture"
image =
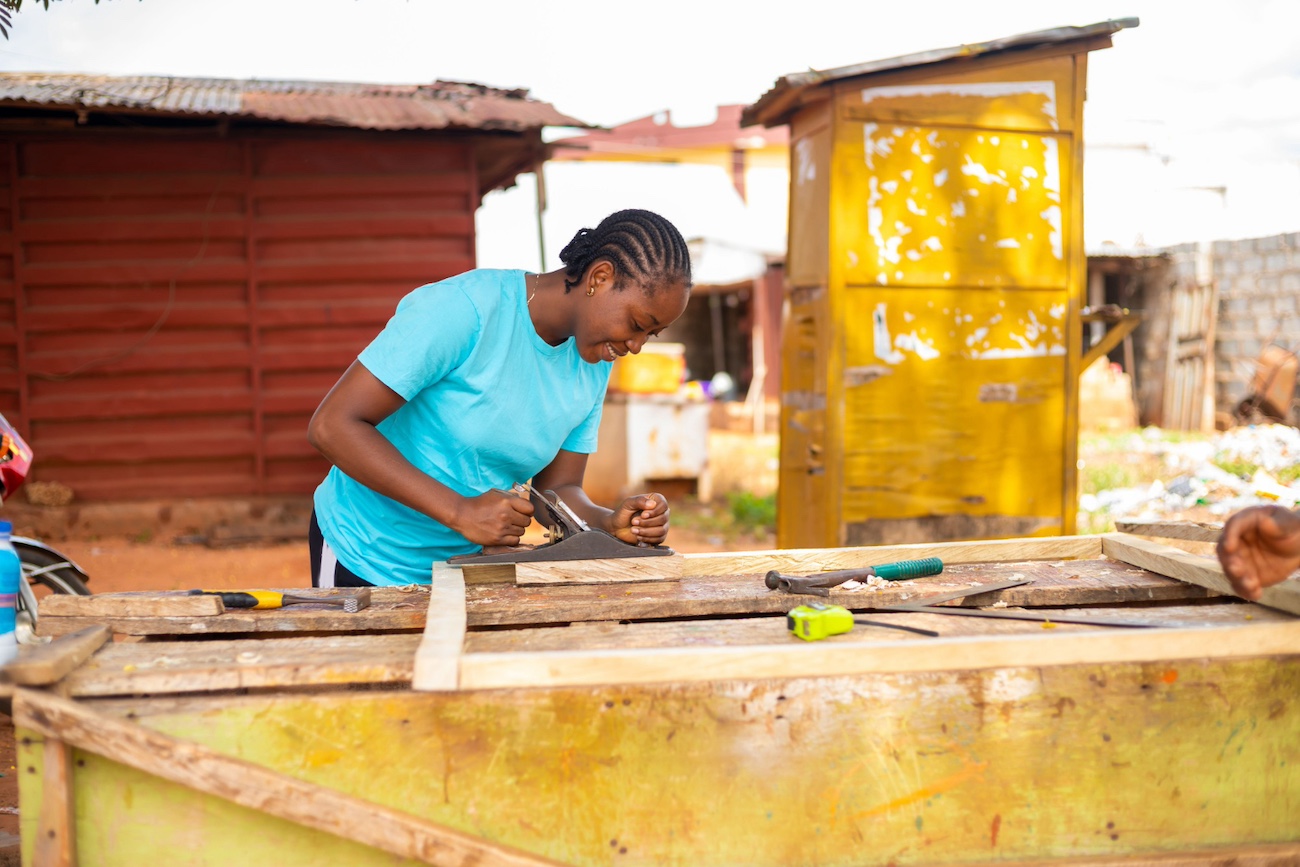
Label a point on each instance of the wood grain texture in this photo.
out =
(391, 609)
(163, 667)
(43, 664)
(802, 560)
(1067, 582)
(258, 788)
(682, 665)
(56, 837)
(437, 659)
(1190, 531)
(133, 604)
(613, 571)
(1201, 571)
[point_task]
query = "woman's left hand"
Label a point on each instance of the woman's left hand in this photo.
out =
(642, 519)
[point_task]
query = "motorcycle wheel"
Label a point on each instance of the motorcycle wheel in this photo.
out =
(47, 570)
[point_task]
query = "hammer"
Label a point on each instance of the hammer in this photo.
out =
(821, 584)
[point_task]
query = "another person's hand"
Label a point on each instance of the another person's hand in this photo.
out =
(641, 519)
(494, 518)
(1260, 546)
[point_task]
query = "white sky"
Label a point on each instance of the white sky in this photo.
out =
(1201, 95)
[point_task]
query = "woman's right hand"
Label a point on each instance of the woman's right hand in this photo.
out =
(494, 518)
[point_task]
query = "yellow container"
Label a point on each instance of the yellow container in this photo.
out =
(658, 369)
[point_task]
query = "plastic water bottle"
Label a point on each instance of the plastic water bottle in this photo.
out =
(11, 573)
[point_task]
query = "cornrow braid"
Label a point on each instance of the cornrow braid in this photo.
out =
(643, 247)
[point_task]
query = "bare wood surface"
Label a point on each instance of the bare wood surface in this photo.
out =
(757, 631)
(1055, 583)
(258, 788)
(1201, 571)
(158, 667)
(41, 664)
(176, 667)
(612, 571)
(1190, 531)
(132, 604)
(56, 828)
(1068, 582)
(1278, 855)
(437, 660)
(797, 659)
(801, 560)
(391, 609)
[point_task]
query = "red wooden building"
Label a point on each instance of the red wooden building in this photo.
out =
(187, 265)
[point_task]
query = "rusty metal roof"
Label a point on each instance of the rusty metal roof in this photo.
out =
(775, 106)
(440, 105)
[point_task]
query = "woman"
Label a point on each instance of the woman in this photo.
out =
(478, 383)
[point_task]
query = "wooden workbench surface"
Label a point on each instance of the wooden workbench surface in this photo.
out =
(177, 667)
(1055, 583)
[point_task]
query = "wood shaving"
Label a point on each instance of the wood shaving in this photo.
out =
(999, 604)
(415, 588)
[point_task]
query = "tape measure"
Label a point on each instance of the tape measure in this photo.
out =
(816, 620)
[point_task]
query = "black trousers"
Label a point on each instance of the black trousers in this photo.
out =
(326, 570)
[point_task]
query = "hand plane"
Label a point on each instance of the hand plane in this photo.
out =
(570, 538)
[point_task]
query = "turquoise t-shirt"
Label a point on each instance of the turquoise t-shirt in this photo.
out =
(488, 404)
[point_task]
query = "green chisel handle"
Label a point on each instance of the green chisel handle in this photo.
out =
(909, 569)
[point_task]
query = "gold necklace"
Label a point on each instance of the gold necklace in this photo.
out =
(536, 285)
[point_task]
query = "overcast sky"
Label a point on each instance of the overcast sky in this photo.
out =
(1202, 95)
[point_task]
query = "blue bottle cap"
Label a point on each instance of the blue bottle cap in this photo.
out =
(6, 528)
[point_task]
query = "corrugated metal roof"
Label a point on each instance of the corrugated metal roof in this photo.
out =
(775, 106)
(440, 105)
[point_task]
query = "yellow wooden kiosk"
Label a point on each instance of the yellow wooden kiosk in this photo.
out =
(935, 275)
(591, 721)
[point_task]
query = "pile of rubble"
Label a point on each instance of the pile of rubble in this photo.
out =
(1240, 467)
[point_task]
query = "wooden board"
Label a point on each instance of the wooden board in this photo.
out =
(610, 571)
(159, 668)
(176, 667)
(1200, 571)
(437, 661)
(131, 604)
(803, 560)
(1190, 531)
(391, 609)
(1082, 582)
(43, 664)
(968, 653)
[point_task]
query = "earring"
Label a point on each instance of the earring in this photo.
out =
(591, 290)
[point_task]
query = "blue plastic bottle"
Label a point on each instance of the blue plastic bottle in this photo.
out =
(11, 573)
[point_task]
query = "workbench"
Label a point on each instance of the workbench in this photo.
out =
(679, 723)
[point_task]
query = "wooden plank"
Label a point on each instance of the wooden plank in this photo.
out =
(258, 788)
(42, 664)
(1190, 531)
(762, 631)
(391, 609)
(1201, 571)
(162, 667)
(612, 571)
(136, 604)
(56, 837)
(826, 658)
(437, 660)
(800, 560)
(1065, 582)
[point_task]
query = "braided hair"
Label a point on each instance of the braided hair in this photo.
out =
(643, 247)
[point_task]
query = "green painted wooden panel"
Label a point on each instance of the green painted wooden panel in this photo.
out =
(930, 768)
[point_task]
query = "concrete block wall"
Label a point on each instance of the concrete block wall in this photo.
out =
(1259, 303)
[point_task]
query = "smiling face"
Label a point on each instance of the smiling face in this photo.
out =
(614, 322)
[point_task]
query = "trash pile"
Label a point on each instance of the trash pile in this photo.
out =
(1214, 477)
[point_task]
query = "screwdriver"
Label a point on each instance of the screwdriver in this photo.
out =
(260, 599)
